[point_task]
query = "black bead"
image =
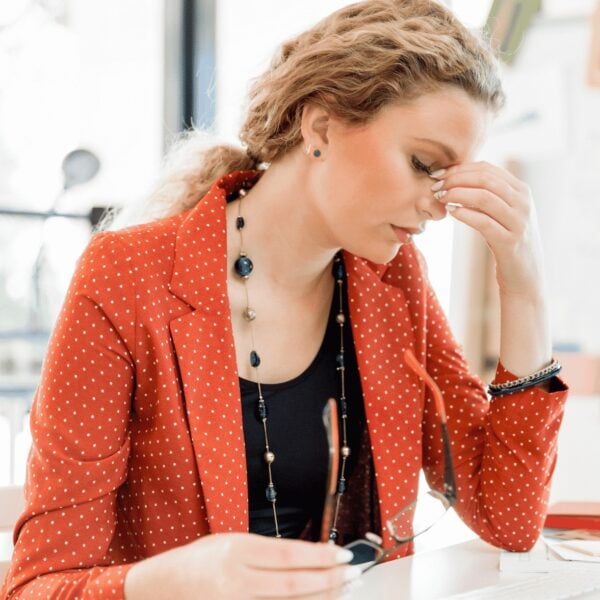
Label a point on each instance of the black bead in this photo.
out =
(339, 359)
(339, 273)
(254, 358)
(333, 535)
(239, 222)
(344, 407)
(262, 410)
(341, 487)
(271, 493)
(243, 266)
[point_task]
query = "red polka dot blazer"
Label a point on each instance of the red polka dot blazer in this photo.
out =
(137, 432)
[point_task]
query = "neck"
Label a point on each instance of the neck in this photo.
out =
(283, 234)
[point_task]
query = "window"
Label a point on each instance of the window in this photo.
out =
(63, 86)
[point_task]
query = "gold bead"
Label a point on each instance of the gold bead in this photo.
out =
(269, 457)
(242, 192)
(345, 451)
(340, 318)
(249, 314)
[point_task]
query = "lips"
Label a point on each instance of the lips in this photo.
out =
(414, 230)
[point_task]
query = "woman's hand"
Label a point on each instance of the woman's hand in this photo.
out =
(500, 207)
(243, 566)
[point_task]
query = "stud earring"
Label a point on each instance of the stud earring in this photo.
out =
(317, 153)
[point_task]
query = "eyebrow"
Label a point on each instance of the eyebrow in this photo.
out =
(447, 150)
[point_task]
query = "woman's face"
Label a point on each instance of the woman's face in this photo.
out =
(373, 181)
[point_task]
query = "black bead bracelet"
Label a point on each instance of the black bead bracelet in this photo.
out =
(518, 385)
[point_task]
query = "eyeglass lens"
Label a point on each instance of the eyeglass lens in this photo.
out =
(418, 516)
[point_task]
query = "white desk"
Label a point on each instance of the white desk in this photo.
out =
(436, 574)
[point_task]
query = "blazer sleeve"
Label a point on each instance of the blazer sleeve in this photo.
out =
(79, 425)
(504, 450)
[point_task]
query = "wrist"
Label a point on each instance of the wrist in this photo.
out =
(525, 339)
(133, 587)
(149, 578)
(509, 384)
(532, 293)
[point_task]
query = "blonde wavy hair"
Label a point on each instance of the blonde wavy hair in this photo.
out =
(354, 62)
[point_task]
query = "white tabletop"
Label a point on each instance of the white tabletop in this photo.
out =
(436, 574)
(432, 575)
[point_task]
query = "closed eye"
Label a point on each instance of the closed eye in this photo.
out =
(421, 167)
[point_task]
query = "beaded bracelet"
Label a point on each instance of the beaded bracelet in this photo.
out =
(517, 385)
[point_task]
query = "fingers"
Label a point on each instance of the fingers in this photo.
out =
(480, 179)
(268, 553)
(491, 230)
(491, 191)
(287, 568)
(482, 172)
(301, 583)
(485, 202)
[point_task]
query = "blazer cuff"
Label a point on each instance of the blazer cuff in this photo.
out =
(111, 582)
(503, 375)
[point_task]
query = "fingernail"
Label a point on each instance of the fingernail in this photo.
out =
(354, 584)
(438, 173)
(439, 195)
(344, 556)
(438, 185)
(352, 573)
(349, 588)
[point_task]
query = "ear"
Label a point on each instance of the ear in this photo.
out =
(314, 126)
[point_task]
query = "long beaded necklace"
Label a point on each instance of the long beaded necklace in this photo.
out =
(243, 267)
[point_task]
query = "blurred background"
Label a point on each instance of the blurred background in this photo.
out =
(92, 94)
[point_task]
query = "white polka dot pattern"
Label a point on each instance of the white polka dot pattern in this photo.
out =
(136, 424)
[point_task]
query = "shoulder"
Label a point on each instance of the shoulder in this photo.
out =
(144, 239)
(127, 254)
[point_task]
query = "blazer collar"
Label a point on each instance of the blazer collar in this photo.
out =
(201, 245)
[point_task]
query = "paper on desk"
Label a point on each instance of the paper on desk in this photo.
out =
(585, 547)
(575, 550)
(540, 559)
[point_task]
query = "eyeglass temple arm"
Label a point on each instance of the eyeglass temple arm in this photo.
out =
(330, 421)
(449, 478)
(449, 481)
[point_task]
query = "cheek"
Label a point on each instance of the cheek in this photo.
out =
(368, 163)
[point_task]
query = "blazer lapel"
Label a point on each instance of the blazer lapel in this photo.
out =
(375, 308)
(204, 347)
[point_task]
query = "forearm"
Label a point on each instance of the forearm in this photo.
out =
(95, 582)
(525, 340)
(503, 495)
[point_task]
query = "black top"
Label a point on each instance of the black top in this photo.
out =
(297, 436)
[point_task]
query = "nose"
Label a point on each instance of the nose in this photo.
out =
(432, 208)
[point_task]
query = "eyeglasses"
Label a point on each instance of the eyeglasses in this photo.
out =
(413, 520)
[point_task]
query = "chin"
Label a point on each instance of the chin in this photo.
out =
(379, 254)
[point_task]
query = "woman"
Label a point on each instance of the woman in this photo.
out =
(179, 412)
